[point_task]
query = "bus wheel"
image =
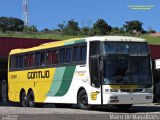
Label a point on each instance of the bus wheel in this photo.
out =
(24, 99)
(124, 107)
(31, 99)
(83, 100)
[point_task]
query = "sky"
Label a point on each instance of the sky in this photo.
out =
(49, 13)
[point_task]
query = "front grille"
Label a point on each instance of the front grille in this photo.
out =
(125, 90)
(131, 90)
(137, 90)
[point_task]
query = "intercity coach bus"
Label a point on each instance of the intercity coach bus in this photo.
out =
(103, 70)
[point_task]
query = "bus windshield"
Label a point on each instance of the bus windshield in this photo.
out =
(125, 47)
(127, 70)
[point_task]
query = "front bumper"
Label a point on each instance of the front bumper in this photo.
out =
(132, 98)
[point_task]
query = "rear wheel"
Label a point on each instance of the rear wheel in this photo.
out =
(31, 99)
(83, 100)
(24, 99)
(124, 107)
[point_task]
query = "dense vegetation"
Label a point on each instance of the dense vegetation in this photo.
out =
(14, 27)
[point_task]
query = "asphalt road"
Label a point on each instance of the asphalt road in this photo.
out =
(49, 112)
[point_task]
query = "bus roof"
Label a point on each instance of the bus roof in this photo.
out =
(78, 40)
(116, 38)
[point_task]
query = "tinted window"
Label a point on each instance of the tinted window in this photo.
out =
(94, 48)
(49, 57)
(62, 55)
(12, 62)
(68, 55)
(83, 53)
(126, 47)
(31, 60)
(94, 72)
(37, 59)
(16, 61)
(55, 57)
(42, 59)
(16, 58)
(127, 70)
(26, 60)
(76, 53)
(20, 61)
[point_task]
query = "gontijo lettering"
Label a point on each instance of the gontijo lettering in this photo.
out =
(38, 74)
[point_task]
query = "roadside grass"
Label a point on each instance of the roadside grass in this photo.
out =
(151, 39)
(39, 36)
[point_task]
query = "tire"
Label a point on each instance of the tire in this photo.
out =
(83, 100)
(124, 107)
(31, 99)
(24, 99)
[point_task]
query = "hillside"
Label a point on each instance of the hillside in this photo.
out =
(152, 39)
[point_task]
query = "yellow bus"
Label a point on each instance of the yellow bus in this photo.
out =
(104, 70)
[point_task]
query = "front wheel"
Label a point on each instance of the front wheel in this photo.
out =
(24, 99)
(83, 100)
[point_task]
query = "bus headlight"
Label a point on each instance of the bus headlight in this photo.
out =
(114, 97)
(148, 97)
(107, 90)
(148, 90)
(111, 90)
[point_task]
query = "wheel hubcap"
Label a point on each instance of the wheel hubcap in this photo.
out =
(24, 101)
(31, 100)
(84, 100)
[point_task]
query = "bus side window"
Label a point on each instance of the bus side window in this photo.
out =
(31, 60)
(76, 54)
(12, 62)
(16, 59)
(55, 57)
(49, 57)
(26, 60)
(61, 55)
(37, 59)
(20, 61)
(83, 53)
(42, 59)
(68, 55)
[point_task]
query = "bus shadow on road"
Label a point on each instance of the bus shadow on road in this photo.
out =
(134, 109)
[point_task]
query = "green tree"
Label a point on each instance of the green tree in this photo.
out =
(72, 28)
(116, 30)
(46, 30)
(30, 29)
(151, 31)
(61, 26)
(101, 27)
(134, 25)
(85, 31)
(11, 24)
